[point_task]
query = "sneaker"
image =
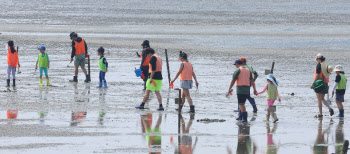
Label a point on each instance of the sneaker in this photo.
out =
(331, 111)
(160, 109)
(140, 107)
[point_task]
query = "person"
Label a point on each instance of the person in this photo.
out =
(153, 136)
(322, 72)
(339, 89)
(272, 94)
(244, 79)
(255, 74)
(144, 61)
(44, 64)
(186, 73)
(103, 64)
(271, 146)
(12, 61)
(79, 51)
(154, 82)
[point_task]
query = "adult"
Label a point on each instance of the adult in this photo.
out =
(244, 79)
(12, 61)
(250, 99)
(322, 71)
(79, 51)
(154, 82)
(144, 62)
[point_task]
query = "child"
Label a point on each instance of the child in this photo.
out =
(103, 67)
(186, 73)
(339, 88)
(44, 65)
(272, 94)
(12, 61)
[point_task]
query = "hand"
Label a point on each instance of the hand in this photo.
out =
(71, 59)
(279, 100)
(172, 81)
(151, 80)
(311, 86)
(255, 93)
(197, 84)
(106, 70)
(332, 93)
(48, 66)
(36, 67)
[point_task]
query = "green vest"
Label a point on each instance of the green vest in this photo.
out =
(43, 61)
(342, 83)
(249, 68)
(102, 65)
(271, 91)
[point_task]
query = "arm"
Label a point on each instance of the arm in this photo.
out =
(73, 51)
(105, 62)
(231, 85)
(278, 95)
(195, 78)
(137, 53)
(36, 65)
(178, 74)
(143, 58)
(253, 84)
(48, 59)
(265, 88)
(86, 48)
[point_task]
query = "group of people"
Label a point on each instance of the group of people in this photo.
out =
(79, 53)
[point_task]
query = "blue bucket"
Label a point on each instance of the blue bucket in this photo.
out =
(138, 72)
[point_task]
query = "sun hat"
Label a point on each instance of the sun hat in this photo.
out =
(318, 56)
(42, 48)
(272, 79)
(238, 61)
(339, 68)
(326, 69)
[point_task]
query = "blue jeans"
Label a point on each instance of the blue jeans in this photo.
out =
(102, 76)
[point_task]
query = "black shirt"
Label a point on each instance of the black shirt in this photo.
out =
(157, 75)
(318, 68)
(339, 91)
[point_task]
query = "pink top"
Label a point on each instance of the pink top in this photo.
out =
(265, 88)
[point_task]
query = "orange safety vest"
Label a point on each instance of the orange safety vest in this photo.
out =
(79, 47)
(187, 71)
(12, 58)
(146, 62)
(158, 64)
(243, 77)
(326, 80)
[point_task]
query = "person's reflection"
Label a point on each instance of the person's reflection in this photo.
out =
(321, 145)
(102, 113)
(186, 140)
(153, 136)
(271, 148)
(11, 114)
(43, 101)
(245, 144)
(339, 137)
(78, 116)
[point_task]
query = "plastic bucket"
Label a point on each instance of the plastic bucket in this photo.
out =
(138, 72)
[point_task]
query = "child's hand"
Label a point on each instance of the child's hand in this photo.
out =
(106, 70)
(332, 93)
(279, 100)
(36, 67)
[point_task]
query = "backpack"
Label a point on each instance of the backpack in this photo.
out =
(319, 86)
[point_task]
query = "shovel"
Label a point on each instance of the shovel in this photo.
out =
(18, 72)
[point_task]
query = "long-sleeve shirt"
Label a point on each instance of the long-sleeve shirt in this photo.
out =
(265, 88)
(73, 46)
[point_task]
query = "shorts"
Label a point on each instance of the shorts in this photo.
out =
(339, 97)
(79, 60)
(186, 84)
(41, 69)
(242, 98)
(151, 87)
(326, 90)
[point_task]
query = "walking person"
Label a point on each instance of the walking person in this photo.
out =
(103, 64)
(154, 82)
(12, 61)
(272, 95)
(186, 73)
(243, 78)
(339, 89)
(44, 64)
(144, 62)
(322, 71)
(79, 51)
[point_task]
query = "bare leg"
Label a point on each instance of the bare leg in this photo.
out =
(84, 70)
(188, 96)
(146, 96)
(340, 105)
(320, 99)
(242, 108)
(183, 97)
(159, 97)
(76, 70)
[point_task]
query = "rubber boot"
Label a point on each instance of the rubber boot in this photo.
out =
(267, 118)
(341, 114)
(41, 82)
(105, 83)
(14, 83)
(239, 115)
(48, 82)
(8, 82)
(99, 85)
(244, 117)
(192, 109)
(275, 119)
(75, 79)
(87, 78)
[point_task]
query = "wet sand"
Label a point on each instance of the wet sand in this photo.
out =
(79, 118)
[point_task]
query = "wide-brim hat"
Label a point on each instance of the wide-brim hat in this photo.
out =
(338, 68)
(326, 69)
(272, 78)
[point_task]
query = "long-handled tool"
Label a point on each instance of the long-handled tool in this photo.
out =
(19, 72)
(68, 64)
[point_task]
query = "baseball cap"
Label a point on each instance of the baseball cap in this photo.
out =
(42, 48)
(238, 61)
(243, 59)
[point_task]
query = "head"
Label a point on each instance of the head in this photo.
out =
(73, 35)
(183, 56)
(100, 51)
(145, 44)
(243, 60)
(149, 52)
(320, 58)
(238, 63)
(42, 49)
(12, 46)
(339, 69)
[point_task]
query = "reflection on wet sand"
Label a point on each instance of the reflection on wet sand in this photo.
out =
(339, 137)
(153, 136)
(102, 102)
(245, 143)
(43, 101)
(321, 145)
(78, 117)
(186, 140)
(271, 148)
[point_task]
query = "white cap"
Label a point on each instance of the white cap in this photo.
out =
(319, 56)
(339, 68)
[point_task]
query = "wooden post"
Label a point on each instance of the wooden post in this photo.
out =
(273, 65)
(179, 120)
(167, 65)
